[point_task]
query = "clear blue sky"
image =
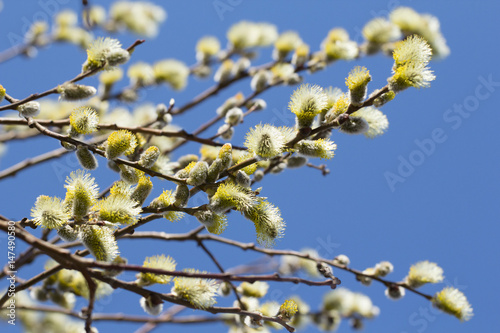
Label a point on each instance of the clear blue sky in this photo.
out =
(446, 210)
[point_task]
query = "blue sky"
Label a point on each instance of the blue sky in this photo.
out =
(443, 209)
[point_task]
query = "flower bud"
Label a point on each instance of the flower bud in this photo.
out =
(258, 175)
(294, 162)
(260, 80)
(100, 242)
(149, 156)
(306, 102)
(266, 141)
(83, 120)
(453, 301)
(243, 179)
(202, 71)
(118, 209)
(75, 92)
(117, 57)
(383, 268)
(288, 41)
(39, 293)
(64, 299)
(49, 212)
(226, 155)
(141, 74)
(181, 196)
(424, 272)
(113, 166)
(66, 17)
(120, 142)
(229, 104)
(29, 109)
(341, 50)
(322, 148)
(301, 55)
(2, 93)
(288, 309)
(173, 72)
(256, 104)
(162, 262)
(342, 259)
(152, 305)
(384, 98)
(293, 79)
(395, 292)
(206, 48)
(213, 222)
(198, 174)
(226, 132)
(105, 52)
(240, 66)
(230, 195)
(97, 15)
(357, 82)
(68, 233)
(185, 160)
(257, 289)
(214, 170)
(325, 270)
(129, 175)
(142, 190)
(81, 193)
(354, 125)
(224, 72)
(115, 272)
(278, 168)
(234, 116)
(199, 292)
(225, 289)
(86, 158)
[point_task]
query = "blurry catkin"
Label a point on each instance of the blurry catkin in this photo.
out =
(120, 142)
(142, 190)
(216, 168)
(67, 233)
(129, 174)
(357, 82)
(86, 158)
(181, 196)
(198, 174)
(100, 241)
(75, 92)
(243, 179)
(149, 157)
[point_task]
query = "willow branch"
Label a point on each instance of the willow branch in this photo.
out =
(79, 77)
(29, 162)
(64, 138)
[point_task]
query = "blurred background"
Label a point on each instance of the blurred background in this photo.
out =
(443, 207)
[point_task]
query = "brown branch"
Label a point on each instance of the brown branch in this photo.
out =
(29, 162)
(13, 170)
(64, 138)
(13, 105)
(269, 252)
(16, 135)
(167, 315)
(221, 269)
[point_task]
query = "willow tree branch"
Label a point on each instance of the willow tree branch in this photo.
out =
(221, 269)
(140, 129)
(79, 77)
(16, 135)
(269, 252)
(29, 162)
(135, 165)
